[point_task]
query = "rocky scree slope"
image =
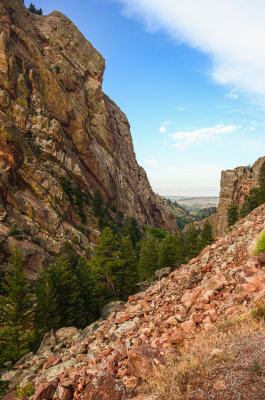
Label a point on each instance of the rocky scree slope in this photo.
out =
(56, 123)
(108, 358)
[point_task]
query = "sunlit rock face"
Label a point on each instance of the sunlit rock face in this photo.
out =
(55, 123)
(235, 185)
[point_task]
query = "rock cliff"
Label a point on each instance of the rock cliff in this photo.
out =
(109, 358)
(56, 123)
(235, 185)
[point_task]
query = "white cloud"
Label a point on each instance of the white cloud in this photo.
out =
(164, 126)
(187, 139)
(151, 162)
(231, 31)
(181, 109)
(233, 94)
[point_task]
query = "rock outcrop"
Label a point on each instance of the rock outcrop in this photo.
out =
(235, 185)
(57, 124)
(224, 280)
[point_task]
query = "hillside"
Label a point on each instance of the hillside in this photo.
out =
(109, 359)
(61, 138)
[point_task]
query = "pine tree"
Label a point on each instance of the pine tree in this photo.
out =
(261, 180)
(63, 293)
(98, 203)
(190, 243)
(148, 257)
(46, 312)
(205, 236)
(105, 266)
(167, 255)
(15, 310)
(232, 214)
(32, 8)
(86, 283)
(128, 272)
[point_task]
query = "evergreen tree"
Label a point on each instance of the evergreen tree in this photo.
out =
(167, 255)
(205, 236)
(15, 310)
(98, 204)
(261, 180)
(148, 257)
(105, 266)
(32, 8)
(190, 243)
(46, 311)
(232, 214)
(86, 283)
(128, 273)
(62, 290)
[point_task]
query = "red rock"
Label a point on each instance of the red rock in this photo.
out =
(178, 336)
(45, 390)
(124, 318)
(9, 396)
(142, 359)
(261, 259)
(52, 361)
(64, 393)
(105, 386)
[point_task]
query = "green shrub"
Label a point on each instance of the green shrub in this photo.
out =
(15, 232)
(24, 391)
(260, 246)
(259, 312)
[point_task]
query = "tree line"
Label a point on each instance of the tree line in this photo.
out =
(73, 288)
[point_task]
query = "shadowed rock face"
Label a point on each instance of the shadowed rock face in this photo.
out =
(235, 185)
(55, 122)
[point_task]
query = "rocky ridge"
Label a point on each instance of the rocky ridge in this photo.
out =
(107, 359)
(235, 185)
(56, 124)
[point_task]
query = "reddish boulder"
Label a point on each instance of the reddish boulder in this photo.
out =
(105, 386)
(178, 336)
(142, 359)
(63, 392)
(261, 259)
(46, 390)
(9, 396)
(52, 361)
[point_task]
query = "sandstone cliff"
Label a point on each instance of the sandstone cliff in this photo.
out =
(56, 123)
(235, 185)
(108, 359)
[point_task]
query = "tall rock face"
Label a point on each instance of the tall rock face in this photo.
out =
(56, 123)
(235, 185)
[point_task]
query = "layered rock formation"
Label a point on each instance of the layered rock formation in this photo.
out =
(56, 123)
(235, 185)
(108, 358)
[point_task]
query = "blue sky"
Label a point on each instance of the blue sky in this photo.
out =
(190, 77)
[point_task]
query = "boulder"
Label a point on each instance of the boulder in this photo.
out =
(105, 386)
(261, 259)
(113, 306)
(162, 272)
(142, 360)
(45, 390)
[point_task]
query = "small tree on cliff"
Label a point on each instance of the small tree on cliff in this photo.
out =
(15, 310)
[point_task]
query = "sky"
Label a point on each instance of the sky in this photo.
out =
(190, 76)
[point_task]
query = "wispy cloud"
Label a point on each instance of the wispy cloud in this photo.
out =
(233, 94)
(151, 162)
(187, 139)
(164, 126)
(230, 31)
(181, 109)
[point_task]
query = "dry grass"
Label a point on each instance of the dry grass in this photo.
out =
(208, 349)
